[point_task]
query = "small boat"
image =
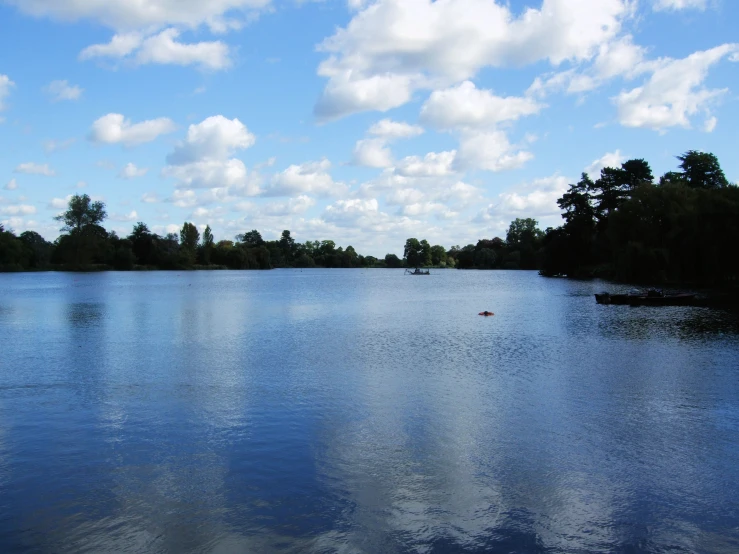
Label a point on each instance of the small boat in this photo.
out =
(417, 272)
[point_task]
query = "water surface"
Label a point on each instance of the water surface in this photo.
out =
(361, 411)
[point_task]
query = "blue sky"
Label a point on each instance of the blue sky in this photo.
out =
(361, 121)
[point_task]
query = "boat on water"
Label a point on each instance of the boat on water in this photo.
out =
(417, 272)
(651, 297)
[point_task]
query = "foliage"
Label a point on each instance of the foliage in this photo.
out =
(625, 227)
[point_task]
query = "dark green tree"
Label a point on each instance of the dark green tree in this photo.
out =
(207, 244)
(82, 220)
(413, 253)
(701, 170)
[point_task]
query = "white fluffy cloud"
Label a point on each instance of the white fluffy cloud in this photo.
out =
(212, 174)
(130, 14)
(130, 171)
(59, 203)
(307, 178)
(32, 168)
(204, 159)
(161, 48)
(679, 4)
(5, 85)
(62, 90)
(537, 199)
(466, 106)
(674, 92)
(432, 164)
(392, 47)
(389, 129)
(616, 58)
(298, 205)
(114, 128)
(372, 153)
(11, 185)
(609, 159)
(490, 151)
(215, 138)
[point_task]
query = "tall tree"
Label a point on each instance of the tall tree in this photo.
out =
(207, 245)
(189, 237)
(81, 212)
(287, 245)
(413, 252)
(701, 170)
(80, 218)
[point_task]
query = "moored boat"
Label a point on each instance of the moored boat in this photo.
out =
(417, 272)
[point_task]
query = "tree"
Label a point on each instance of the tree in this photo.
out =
(701, 170)
(392, 261)
(38, 247)
(637, 172)
(207, 244)
(82, 224)
(438, 255)
(189, 237)
(251, 239)
(287, 244)
(413, 252)
(81, 213)
(523, 232)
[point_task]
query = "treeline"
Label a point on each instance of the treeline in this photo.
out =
(684, 228)
(85, 245)
(521, 249)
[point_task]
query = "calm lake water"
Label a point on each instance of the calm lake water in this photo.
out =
(361, 411)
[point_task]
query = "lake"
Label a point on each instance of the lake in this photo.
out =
(361, 411)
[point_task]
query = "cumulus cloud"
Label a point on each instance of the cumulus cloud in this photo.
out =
(204, 159)
(149, 198)
(114, 128)
(5, 85)
(616, 58)
(609, 159)
(216, 137)
(11, 185)
(389, 129)
(62, 90)
(32, 168)
(490, 151)
(392, 47)
(298, 205)
(673, 93)
(432, 164)
(128, 15)
(675, 5)
(307, 178)
(466, 106)
(537, 199)
(130, 171)
(372, 153)
(59, 203)
(161, 48)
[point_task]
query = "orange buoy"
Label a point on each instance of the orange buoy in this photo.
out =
(486, 313)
